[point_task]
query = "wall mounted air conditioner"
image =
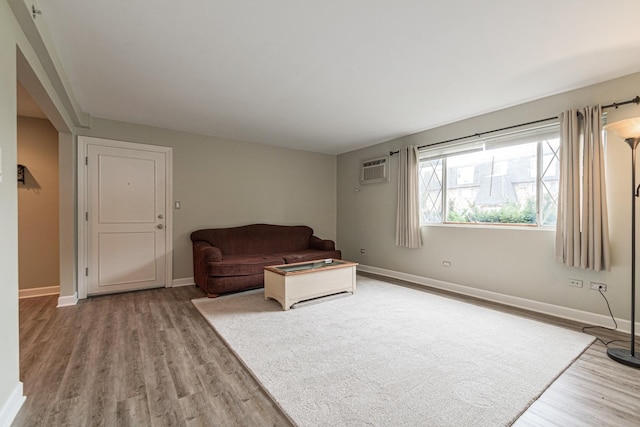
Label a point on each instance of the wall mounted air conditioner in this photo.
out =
(374, 170)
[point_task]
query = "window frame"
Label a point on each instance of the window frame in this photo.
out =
(540, 135)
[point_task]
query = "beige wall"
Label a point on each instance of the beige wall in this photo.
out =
(38, 230)
(222, 183)
(516, 262)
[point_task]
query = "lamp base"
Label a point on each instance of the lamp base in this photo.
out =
(624, 356)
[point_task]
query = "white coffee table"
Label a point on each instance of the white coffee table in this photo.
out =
(292, 283)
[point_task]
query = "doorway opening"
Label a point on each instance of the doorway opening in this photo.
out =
(38, 200)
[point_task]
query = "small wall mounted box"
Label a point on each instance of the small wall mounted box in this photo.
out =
(599, 286)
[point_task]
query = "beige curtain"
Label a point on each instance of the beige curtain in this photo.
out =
(582, 230)
(408, 211)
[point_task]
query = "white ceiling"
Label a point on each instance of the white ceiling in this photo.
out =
(332, 75)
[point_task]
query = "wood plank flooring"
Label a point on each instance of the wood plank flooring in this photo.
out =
(134, 359)
(149, 359)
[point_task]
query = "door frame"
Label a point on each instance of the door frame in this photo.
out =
(83, 199)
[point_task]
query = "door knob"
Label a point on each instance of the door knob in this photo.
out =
(160, 216)
(160, 226)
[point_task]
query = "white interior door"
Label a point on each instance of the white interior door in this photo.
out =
(126, 218)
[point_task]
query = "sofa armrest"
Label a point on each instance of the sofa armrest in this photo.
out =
(206, 252)
(322, 244)
(203, 253)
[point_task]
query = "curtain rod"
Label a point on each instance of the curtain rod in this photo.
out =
(635, 100)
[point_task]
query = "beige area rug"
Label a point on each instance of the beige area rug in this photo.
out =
(393, 356)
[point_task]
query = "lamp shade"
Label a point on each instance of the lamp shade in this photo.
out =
(629, 128)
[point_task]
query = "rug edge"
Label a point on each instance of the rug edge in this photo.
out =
(198, 301)
(536, 398)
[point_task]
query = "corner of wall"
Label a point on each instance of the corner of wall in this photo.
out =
(65, 301)
(10, 408)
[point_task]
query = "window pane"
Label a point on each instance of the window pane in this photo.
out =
(497, 186)
(549, 182)
(430, 172)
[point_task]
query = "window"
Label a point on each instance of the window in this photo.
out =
(509, 180)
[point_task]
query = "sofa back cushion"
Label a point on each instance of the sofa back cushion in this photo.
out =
(256, 238)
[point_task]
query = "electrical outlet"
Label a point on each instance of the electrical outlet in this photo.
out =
(599, 286)
(362, 251)
(575, 283)
(446, 263)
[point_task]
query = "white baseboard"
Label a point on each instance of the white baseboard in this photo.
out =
(186, 281)
(38, 292)
(531, 305)
(68, 300)
(10, 408)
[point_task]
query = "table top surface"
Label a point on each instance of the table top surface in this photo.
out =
(310, 266)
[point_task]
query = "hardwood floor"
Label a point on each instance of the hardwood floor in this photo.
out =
(133, 359)
(149, 358)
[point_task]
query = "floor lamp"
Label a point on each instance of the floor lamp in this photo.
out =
(630, 130)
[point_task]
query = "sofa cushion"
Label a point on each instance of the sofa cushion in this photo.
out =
(217, 285)
(242, 265)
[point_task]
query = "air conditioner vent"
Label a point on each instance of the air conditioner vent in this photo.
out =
(374, 170)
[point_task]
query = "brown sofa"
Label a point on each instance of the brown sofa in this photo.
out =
(233, 259)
